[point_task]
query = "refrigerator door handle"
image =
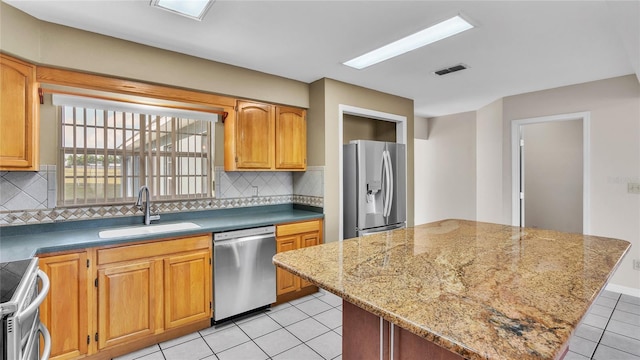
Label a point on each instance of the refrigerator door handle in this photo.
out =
(385, 174)
(388, 184)
(391, 185)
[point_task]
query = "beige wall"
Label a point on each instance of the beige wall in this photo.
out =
(316, 124)
(614, 105)
(329, 94)
(489, 208)
(49, 132)
(421, 128)
(446, 169)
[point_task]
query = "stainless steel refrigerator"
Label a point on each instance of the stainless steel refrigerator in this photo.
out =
(374, 187)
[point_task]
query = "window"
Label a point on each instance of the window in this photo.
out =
(110, 149)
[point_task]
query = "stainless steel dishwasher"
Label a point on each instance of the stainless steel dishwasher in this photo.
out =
(244, 277)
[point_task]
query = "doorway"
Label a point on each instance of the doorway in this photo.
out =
(550, 172)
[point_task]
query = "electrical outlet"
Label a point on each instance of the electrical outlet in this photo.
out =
(633, 188)
(636, 264)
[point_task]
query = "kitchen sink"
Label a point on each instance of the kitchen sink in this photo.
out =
(146, 229)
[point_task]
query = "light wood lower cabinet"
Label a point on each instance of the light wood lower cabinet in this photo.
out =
(109, 301)
(286, 282)
(65, 310)
(290, 237)
(187, 288)
(306, 240)
(127, 297)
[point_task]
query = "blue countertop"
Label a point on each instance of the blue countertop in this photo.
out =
(21, 242)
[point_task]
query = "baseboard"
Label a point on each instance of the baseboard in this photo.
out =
(623, 290)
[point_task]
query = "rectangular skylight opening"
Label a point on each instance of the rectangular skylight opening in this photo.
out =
(434, 33)
(194, 9)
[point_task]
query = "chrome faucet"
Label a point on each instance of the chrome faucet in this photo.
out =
(146, 205)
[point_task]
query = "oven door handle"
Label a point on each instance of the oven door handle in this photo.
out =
(33, 341)
(38, 300)
(47, 341)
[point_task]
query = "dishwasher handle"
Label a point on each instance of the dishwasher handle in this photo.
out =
(262, 232)
(237, 240)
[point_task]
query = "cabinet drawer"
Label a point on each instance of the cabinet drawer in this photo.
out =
(298, 228)
(148, 250)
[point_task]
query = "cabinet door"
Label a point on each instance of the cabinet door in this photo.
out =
(309, 239)
(127, 301)
(19, 148)
(291, 138)
(187, 288)
(255, 131)
(65, 309)
(286, 281)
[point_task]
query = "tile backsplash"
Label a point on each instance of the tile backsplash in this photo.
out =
(310, 182)
(244, 184)
(30, 197)
(20, 190)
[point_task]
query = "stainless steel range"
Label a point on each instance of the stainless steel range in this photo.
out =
(19, 310)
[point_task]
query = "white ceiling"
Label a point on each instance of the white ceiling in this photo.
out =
(516, 47)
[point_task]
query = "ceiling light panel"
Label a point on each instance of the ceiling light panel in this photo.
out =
(194, 9)
(434, 33)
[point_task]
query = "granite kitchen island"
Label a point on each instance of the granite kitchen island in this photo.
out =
(460, 289)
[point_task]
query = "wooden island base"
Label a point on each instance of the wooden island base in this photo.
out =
(361, 334)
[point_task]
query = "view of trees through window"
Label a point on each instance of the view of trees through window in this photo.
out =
(108, 155)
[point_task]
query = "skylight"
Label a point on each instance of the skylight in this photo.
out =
(434, 33)
(195, 9)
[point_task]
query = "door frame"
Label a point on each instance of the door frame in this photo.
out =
(516, 130)
(401, 138)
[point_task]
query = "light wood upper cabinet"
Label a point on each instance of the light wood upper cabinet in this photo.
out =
(291, 138)
(19, 121)
(263, 137)
(254, 133)
(65, 311)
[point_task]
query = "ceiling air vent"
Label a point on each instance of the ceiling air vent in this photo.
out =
(450, 69)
